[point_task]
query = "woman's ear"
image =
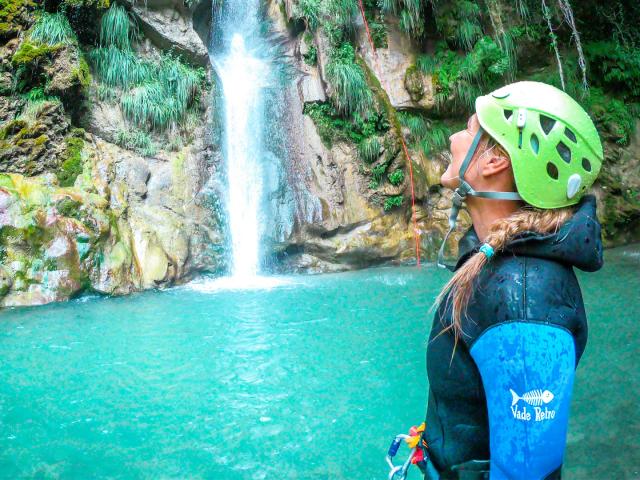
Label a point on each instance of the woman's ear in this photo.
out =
(496, 162)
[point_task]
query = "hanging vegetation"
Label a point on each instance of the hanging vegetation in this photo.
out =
(155, 95)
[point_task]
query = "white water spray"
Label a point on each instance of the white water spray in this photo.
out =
(244, 76)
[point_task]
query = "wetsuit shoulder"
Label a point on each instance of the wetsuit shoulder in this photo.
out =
(525, 342)
(526, 289)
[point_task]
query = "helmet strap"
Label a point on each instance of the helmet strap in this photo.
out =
(460, 194)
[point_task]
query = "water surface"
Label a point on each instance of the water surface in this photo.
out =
(306, 379)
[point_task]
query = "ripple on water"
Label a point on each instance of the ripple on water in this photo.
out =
(214, 285)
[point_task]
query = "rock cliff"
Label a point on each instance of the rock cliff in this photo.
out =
(91, 198)
(422, 75)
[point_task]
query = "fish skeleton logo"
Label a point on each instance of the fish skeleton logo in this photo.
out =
(535, 398)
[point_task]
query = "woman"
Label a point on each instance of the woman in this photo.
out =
(510, 325)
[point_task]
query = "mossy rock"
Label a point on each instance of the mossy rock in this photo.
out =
(12, 127)
(413, 83)
(82, 73)
(29, 54)
(68, 207)
(12, 16)
(72, 166)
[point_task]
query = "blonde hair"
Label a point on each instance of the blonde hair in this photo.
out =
(459, 289)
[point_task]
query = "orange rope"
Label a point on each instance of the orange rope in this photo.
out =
(416, 235)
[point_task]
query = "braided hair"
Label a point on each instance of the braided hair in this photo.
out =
(459, 289)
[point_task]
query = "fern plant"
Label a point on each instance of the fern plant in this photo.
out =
(393, 201)
(396, 177)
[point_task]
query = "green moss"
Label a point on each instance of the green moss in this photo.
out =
(72, 166)
(68, 207)
(12, 127)
(29, 53)
(6, 182)
(413, 83)
(82, 73)
(10, 11)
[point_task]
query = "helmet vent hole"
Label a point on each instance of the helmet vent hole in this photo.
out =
(507, 114)
(546, 124)
(552, 170)
(570, 135)
(535, 144)
(564, 152)
(586, 164)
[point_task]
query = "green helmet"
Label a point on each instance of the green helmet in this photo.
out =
(555, 150)
(553, 144)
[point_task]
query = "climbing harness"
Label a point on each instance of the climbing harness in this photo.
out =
(418, 455)
(416, 232)
(399, 471)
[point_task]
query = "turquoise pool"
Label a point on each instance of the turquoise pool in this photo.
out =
(309, 378)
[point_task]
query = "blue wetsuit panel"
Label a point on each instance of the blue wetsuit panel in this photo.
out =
(527, 372)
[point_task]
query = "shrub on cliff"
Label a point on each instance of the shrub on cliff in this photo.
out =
(351, 92)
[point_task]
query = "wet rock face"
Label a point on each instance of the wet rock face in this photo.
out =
(168, 24)
(77, 211)
(33, 146)
(341, 223)
(128, 223)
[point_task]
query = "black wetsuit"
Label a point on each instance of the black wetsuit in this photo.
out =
(528, 291)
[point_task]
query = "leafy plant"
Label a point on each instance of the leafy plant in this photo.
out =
(369, 149)
(311, 57)
(428, 135)
(309, 12)
(156, 95)
(378, 171)
(615, 66)
(136, 140)
(351, 92)
(393, 201)
(612, 116)
(117, 67)
(117, 28)
(337, 16)
(460, 79)
(52, 29)
(396, 177)
(333, 126)
(410, 12)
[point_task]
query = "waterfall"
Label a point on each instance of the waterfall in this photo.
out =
(237, 51)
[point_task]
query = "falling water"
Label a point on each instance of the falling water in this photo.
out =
(237, 53)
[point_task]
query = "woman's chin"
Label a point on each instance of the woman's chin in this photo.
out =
(448, 182)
